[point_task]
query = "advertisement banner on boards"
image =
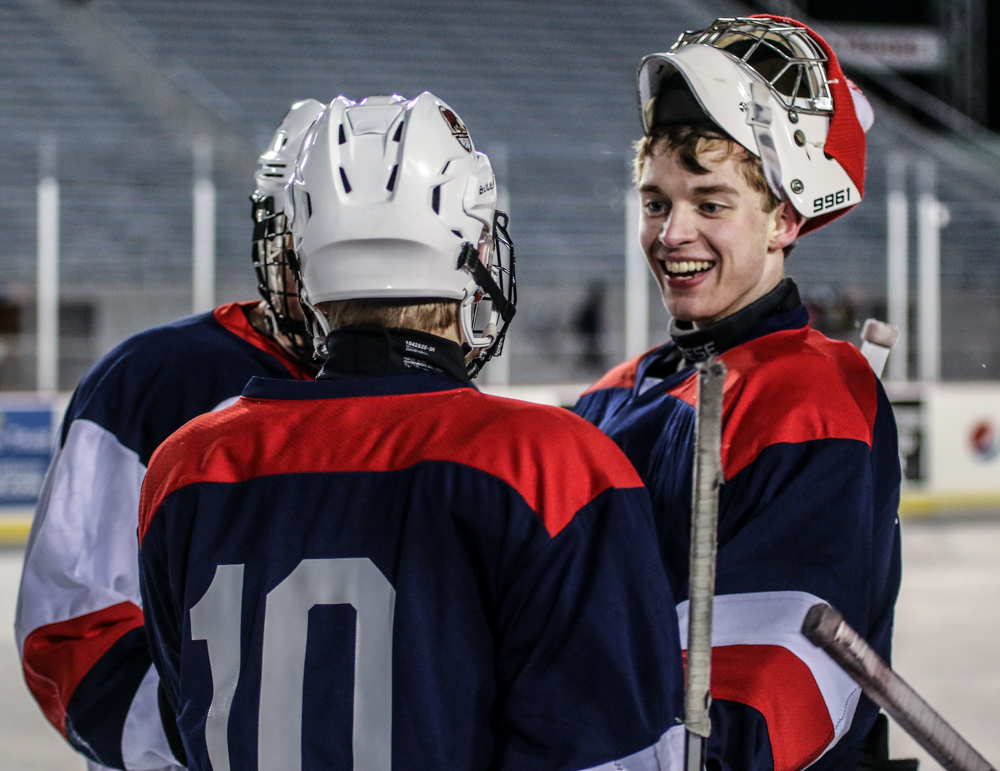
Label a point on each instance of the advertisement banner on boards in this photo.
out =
(962, 424)
(26, 441)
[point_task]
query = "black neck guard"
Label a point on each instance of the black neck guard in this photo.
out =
(701, 344)
(362, 351)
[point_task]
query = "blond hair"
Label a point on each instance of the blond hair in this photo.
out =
(434, 316)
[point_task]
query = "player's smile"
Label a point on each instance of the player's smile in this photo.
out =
(711, 246)
(685, 270)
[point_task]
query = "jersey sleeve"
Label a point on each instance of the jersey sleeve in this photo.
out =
(807, 520)
(79, 624)
(590, 656)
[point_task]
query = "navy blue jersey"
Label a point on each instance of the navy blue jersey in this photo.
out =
(402, 572)
(807, 514)
(80, 624)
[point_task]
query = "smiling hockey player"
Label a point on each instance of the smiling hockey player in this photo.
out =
(753, 136)
(390, 568)
(79, 620)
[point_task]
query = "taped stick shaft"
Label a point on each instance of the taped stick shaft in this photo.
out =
(701, 582)
(826, 628)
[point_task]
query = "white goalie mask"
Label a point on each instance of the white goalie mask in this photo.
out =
(271, 255)
(390, 199)
(777, 89)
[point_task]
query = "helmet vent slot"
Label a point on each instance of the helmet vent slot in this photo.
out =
(341, 139)
(392, 178)
(446, 165)
(436, 200)
(457, 233)
(399, 133)
(343, 178)
(309, 205)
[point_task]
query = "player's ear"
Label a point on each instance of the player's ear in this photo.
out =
(786, 223)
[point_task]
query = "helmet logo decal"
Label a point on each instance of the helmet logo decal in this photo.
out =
(458, 129)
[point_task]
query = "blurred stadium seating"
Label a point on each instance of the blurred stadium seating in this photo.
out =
(546, 88)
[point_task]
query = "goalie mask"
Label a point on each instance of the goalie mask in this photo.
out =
(272, 256)
(777, 89)
(391, 200)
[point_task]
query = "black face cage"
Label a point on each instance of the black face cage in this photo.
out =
(492, 266)
(783, 54)
(275, 265)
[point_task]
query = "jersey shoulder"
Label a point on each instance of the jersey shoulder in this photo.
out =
(555, 460)
(795, 386)
(575, 446)
(621, 376)
(158, 379)
(136, 364)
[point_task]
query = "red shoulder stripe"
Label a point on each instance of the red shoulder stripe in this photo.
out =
(57, 656)
(233, 318)
(555, 460)
(791, 386)
(622, 376)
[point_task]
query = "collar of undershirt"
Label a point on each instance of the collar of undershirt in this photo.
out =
(701, 344)
(364, 351)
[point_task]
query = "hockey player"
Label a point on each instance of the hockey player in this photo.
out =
(753, 136)
(385, 566)
(79, 624)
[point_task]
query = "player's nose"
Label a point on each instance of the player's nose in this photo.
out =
(678, 228)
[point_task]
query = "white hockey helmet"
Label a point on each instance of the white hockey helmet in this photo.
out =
(391, 200)
(271, 254)
(775, 87)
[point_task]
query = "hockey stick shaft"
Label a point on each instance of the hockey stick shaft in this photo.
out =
(826, 628)
(701, 582)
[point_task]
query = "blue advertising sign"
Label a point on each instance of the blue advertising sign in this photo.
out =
(25, 451)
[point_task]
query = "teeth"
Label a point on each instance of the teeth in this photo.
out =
(687, 266)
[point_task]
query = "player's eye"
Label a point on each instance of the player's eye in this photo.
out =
(655, 207)
(710, 208)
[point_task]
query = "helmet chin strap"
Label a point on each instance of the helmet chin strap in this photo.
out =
(468, 260)
(482, 346)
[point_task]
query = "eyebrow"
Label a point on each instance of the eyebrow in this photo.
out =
(706, 190)
(716, 189)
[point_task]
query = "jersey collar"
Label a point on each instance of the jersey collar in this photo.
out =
(702, 344)
(780, 309)
(364, 351)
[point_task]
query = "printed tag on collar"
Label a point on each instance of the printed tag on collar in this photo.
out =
(458, 129)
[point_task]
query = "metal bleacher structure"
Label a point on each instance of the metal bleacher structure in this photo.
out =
(124, 87)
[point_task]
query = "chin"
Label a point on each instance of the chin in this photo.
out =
(683, 311)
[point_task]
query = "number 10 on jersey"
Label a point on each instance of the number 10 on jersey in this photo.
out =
(217, 617)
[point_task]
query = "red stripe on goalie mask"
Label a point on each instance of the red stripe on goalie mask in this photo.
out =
(845, 140)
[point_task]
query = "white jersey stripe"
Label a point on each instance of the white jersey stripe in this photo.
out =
(666, 755)
(775, 618)
(144, 744)
(81, 556)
